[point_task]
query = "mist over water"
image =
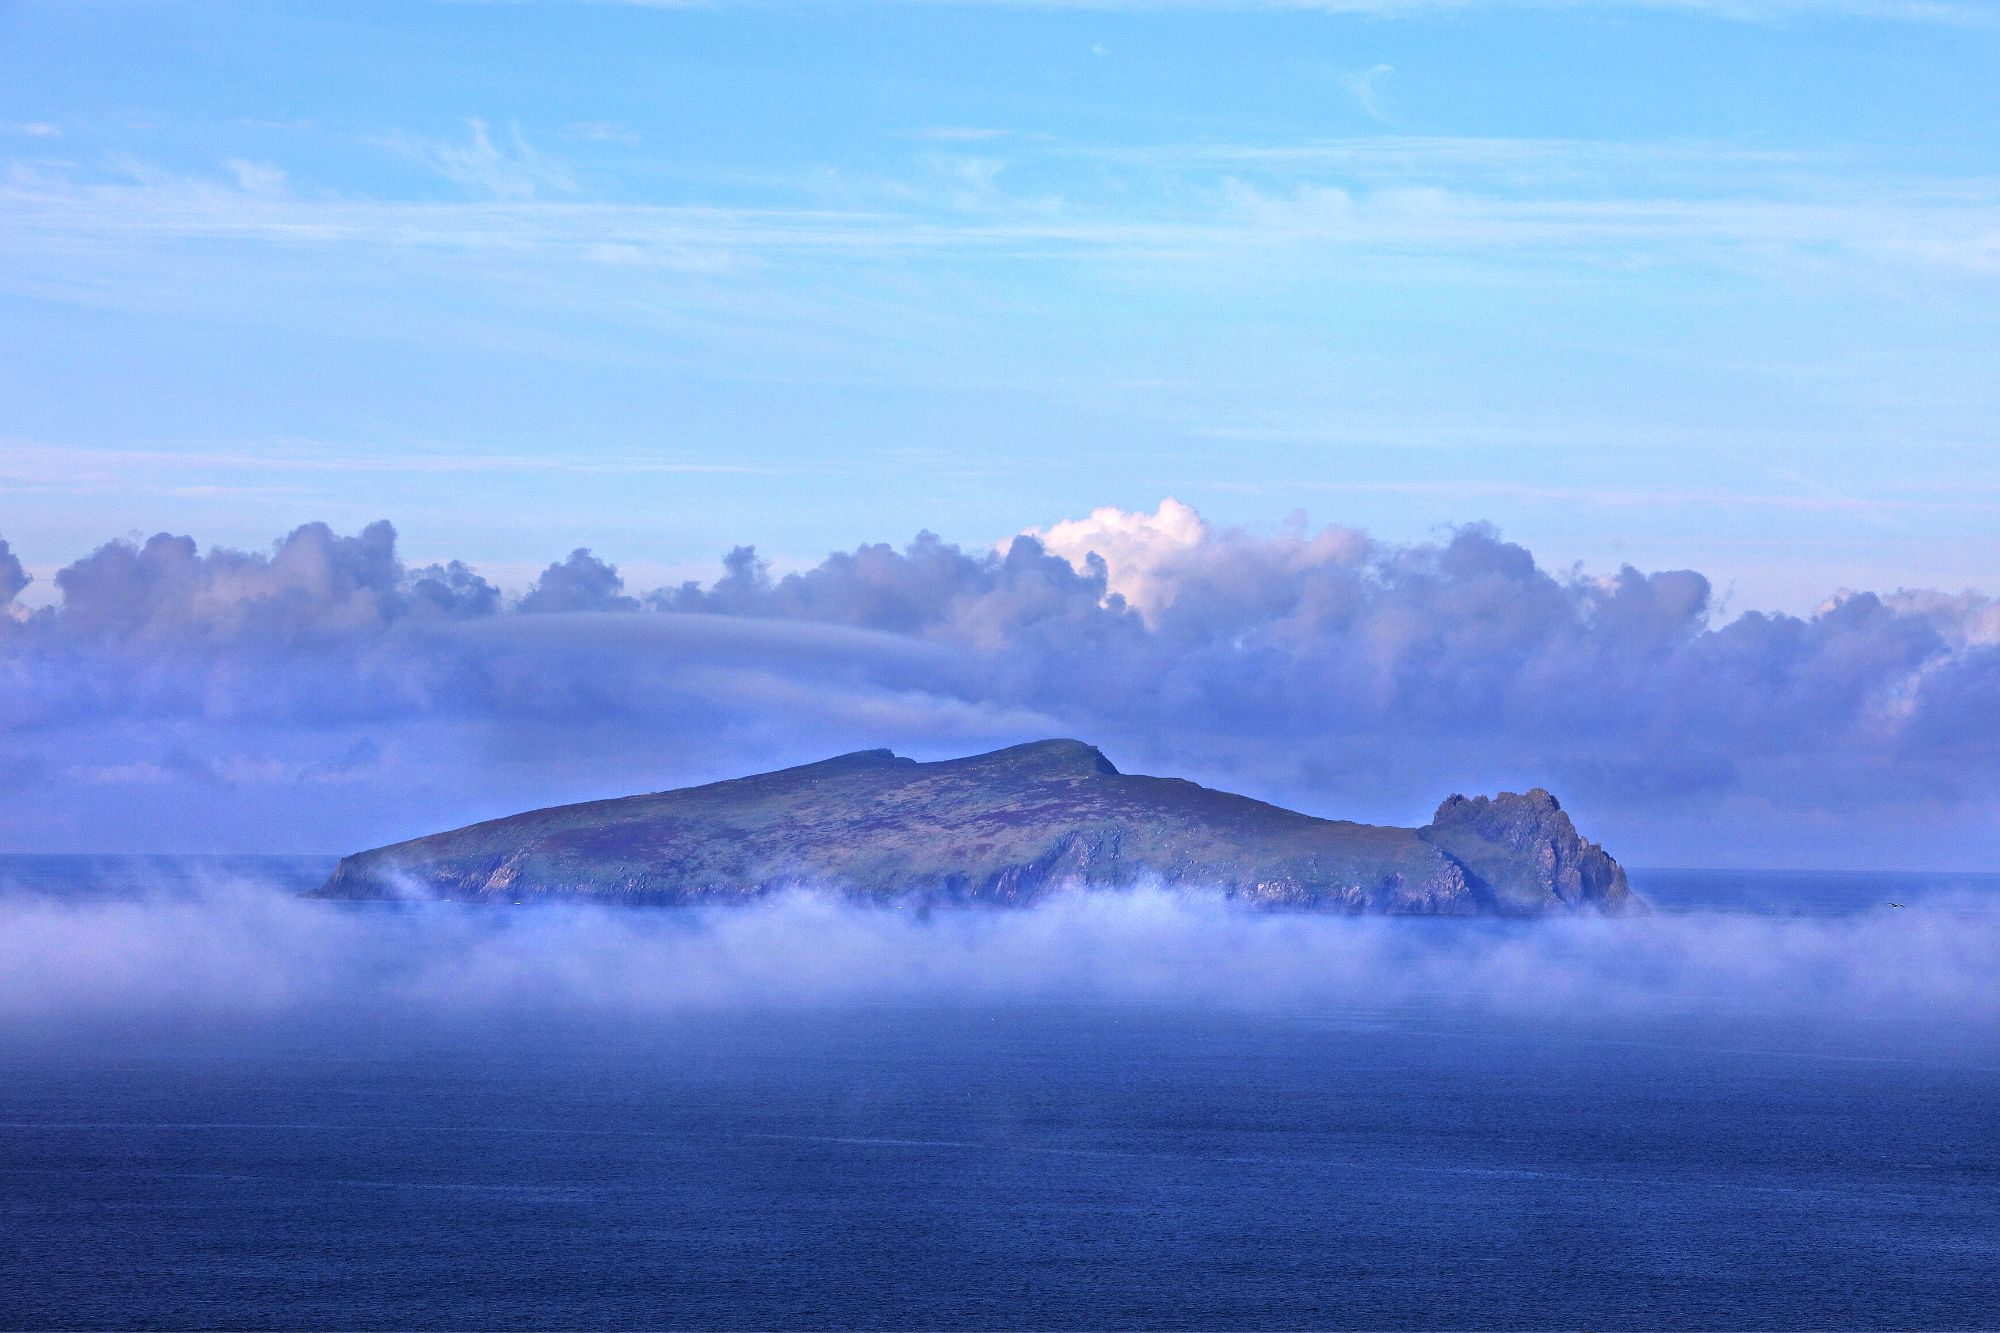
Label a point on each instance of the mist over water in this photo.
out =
(222, 1105)
(200, 940)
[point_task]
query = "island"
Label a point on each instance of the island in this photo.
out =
(1000, 829)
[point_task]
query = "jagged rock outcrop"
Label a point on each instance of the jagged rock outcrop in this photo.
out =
(1522, 852)
(1000, 828)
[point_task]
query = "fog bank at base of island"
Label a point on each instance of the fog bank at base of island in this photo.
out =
(238, 952)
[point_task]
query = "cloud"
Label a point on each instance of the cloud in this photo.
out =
(1366, 88)
(1213, 203)
(510, 170)
(1145, 555)
(604, 131)
(580, 583)
(13, 577)
(314, 586)
(1316, 666)
(959, 134)
(258, 178)
(1137, 550)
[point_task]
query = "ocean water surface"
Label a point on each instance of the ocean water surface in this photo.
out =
(1774, 1105)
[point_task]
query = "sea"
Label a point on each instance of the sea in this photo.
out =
(1774, 1104)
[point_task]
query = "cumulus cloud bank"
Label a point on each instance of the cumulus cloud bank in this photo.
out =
(176, 687)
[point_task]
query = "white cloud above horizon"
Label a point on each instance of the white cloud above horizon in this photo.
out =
(1320, 666)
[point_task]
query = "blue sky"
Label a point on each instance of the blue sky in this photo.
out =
(1697, 284)
(1503, 363)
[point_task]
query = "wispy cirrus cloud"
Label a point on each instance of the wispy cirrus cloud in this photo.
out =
(1366, 87)
(1203, 200)
(36, 464)
(509, 169)
(1631, 496)
(959, 134)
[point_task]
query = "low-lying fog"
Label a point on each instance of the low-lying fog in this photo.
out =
(238, 949)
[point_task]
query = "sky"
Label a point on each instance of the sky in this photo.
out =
(1366, 301)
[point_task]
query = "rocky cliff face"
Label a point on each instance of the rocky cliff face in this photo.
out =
(1523, 853)
(1000, 828)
